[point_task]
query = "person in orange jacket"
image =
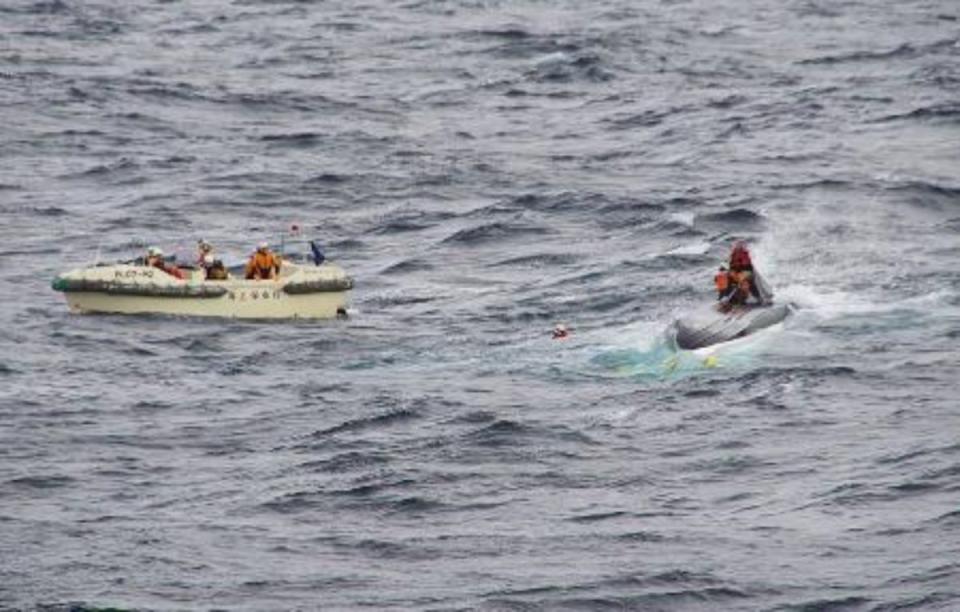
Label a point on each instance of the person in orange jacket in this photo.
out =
(721, 281)
(263, 264)
(741, 287)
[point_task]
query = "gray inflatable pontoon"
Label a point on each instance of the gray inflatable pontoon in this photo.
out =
(711, 326)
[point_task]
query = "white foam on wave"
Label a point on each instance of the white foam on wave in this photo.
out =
(639, 336)
(826, 301)
(683, 218)
(697, 248)
(829, 303)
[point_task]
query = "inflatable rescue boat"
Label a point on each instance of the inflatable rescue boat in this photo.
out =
(713, 326)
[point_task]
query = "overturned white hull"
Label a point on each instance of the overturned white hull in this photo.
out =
(302, 292)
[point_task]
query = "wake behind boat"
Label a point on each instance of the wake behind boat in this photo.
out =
(744, 306)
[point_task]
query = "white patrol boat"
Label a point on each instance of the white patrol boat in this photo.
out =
(299, 292)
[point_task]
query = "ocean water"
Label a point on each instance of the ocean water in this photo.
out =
(484, 170)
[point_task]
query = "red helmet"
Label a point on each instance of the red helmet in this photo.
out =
(740, 255)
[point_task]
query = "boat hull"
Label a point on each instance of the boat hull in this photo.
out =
(238, 304)
(713, 327)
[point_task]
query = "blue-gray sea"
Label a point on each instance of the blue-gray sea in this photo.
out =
(485, 170)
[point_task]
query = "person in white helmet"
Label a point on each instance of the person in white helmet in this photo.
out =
(153, 256)
(263, 264)
(204, 249)
(213, 268)
(155, 259)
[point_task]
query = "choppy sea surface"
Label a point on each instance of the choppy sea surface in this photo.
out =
(485, 170)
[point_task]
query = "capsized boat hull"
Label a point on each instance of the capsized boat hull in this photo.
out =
(302, 292)
(711, 327)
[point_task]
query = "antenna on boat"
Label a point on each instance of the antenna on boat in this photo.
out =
(96, 257)
(294, 232)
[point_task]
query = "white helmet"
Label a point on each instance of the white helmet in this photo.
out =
(154, 252)
(263, 246)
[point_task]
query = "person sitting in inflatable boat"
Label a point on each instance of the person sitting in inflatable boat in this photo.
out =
(736, 285)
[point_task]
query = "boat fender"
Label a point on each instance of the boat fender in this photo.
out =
(319, 286)
(111, 288)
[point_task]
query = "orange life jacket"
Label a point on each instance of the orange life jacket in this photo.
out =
(741, 280)
(722, 281)
(261, 265)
